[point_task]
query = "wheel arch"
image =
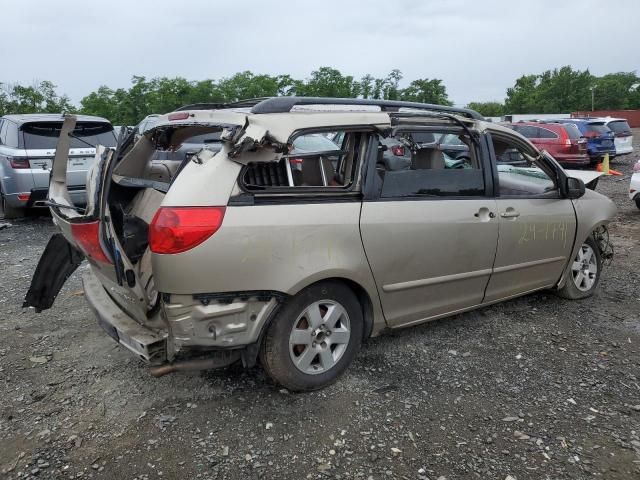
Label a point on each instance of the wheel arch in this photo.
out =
(369, 302)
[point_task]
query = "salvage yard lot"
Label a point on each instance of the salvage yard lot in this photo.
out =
(535, 388)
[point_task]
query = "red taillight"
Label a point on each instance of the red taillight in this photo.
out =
(295, 161)
(88, 237)
(178, 229)
(179, 116)
(24, 197)
(19, 162)
(398, 150)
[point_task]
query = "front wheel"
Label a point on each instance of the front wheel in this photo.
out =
(583, 273)
(314, 338)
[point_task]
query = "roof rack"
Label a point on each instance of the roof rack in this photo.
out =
(249, 102)
(286, 104)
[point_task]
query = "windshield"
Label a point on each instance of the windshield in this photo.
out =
(44, 135)
(620, 126)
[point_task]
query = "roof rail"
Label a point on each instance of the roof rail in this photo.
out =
(249, 102)
(286, 104)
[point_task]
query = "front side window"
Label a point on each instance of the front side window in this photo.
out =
(521, 176)
(440, 164)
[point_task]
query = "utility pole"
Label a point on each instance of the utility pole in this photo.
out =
(593, 97)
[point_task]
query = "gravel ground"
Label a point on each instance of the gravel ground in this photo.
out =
(534, 388)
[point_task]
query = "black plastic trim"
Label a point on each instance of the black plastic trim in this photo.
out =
(286, 104)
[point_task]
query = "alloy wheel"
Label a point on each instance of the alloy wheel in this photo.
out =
(585, 268)
(319, 337)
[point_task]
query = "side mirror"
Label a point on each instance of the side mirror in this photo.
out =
(575, 188)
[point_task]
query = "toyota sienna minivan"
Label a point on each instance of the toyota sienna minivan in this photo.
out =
(264, 252)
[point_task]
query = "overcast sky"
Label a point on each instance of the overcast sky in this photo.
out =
(478, 48)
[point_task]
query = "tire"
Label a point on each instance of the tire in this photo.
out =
(583, 273)
(302, 356)
(7, 212)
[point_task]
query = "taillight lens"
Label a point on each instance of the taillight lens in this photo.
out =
(19, 162)
(398, 150)
(88, 237)
(178, 229)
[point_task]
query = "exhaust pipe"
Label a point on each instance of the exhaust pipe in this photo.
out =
(223, 360)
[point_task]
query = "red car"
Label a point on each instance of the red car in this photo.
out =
(564, 142)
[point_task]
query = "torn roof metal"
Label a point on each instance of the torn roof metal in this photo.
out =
(280, 126)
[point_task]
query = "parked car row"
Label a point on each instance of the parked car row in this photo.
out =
(579, 141)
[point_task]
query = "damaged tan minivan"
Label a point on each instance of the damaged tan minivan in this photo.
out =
(314, 224)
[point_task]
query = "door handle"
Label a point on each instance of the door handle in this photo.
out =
(484, 214)
(510, 213)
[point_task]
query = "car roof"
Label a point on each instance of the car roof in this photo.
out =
(49, 117)
(543, 124)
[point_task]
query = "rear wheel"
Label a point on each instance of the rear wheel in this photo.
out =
(7, 212)
(314, 338)
(583, 273)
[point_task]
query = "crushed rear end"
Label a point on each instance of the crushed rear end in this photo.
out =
(124, 219)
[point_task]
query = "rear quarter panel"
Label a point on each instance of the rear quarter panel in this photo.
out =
(278, 247)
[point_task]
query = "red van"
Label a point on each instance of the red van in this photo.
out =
(564, 142)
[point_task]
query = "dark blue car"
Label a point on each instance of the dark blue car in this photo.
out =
(600, 139)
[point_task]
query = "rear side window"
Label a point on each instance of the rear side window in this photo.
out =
(449, 167)
(9, 134)
(620, 127)
(314, 161)
(527, 131)
(546, 133)
(572, 131)
(44, 135)
(597, 128)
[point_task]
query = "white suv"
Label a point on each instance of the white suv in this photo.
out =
(623, 139)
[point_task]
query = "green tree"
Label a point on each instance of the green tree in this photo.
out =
(487, 109)
(616, 91)
(41, 97)
(327, 82)
(521, 98)
(426, 91)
